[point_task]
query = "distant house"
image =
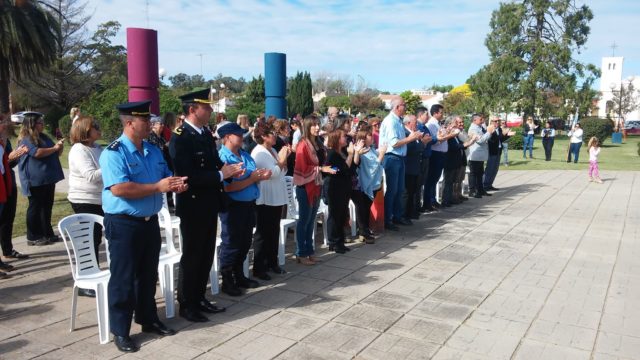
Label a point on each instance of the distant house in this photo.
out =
(221, 105)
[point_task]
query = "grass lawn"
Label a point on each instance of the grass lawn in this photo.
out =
(612, 157)
(61, 208)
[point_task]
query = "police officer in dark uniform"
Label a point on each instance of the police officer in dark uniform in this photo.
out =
(193, 153)
(135, 175)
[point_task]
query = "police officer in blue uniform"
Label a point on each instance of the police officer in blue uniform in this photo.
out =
(135, 175)
(239, 218)
(193, 153)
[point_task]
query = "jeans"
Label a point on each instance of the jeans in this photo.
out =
(394, 173)
(491, 170)
(574, 149)
(527, 142)
(306, 223)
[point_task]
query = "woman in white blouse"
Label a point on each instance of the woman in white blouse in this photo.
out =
(273, 195)
(85, 175)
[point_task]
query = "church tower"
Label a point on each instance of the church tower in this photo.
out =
(611, 76)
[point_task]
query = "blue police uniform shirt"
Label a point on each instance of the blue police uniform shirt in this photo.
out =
(38, 172)
(434, 139)
(392, 131)
(251, 192)
(121, 162)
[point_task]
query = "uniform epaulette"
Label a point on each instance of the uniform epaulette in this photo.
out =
(178, 130)
(114, 145)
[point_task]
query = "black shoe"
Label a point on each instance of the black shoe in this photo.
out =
(405, 222)
(125, 344)
(54, 239)
(39, 242)
(391, 226)
(276, 269)
(158, 328)
(484, 193)
(87, 293)
(192, 315)
(491, 188)
(206, 306)
(228, 284)
(262, 275)
(338, 249)
(464, 198)
(244, 282)
(477, 196)
(436, 205)
(446, 205)
(414, 217)
(6, 267)
(370, 233)
(16, 255)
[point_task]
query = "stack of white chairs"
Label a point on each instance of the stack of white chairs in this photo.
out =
(169, 256)
(77, 232)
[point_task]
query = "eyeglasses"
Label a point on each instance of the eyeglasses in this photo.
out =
(96, 126)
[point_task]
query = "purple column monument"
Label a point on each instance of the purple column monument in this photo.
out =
(142, 66)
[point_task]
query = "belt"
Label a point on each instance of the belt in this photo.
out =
(134, 218)
(393, 154)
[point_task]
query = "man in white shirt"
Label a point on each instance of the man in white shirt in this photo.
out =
(576, 143)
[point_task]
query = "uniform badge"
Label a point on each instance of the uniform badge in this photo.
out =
(114, 145)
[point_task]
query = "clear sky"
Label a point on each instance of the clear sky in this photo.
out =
(392, 45)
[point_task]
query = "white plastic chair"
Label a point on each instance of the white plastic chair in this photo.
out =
(77, 232)
(169, 256)
(440, 188)
(289, 222)
(175, 220)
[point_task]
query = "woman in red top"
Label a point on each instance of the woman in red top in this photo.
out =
(307, 177)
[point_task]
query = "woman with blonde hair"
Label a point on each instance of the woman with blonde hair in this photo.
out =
(39, 170)
(85, 175)
(74, 114)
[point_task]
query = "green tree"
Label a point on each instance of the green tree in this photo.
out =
(299, 97)
(533, 43)
(412, 101)
(441, 88)
(102, 106)
(625, 99)
(342, 103)
(251, 101)
(27, 43)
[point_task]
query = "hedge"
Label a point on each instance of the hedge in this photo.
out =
(516, 142)
(600, 128)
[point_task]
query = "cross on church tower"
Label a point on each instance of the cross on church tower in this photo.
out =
(613, 48)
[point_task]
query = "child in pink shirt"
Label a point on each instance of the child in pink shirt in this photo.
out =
(594, 150)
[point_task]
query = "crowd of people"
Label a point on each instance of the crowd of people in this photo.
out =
(237, 173)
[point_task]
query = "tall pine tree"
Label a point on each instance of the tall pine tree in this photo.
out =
(299, 96)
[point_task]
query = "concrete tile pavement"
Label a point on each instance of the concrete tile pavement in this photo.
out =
(547, 268)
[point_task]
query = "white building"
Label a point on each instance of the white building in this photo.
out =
(610, 82)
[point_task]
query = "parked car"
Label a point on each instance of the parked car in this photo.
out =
(18, 117)
(632, 127)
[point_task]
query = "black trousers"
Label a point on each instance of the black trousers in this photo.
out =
(39, 211)
(80, 208)
(198, 246)
(411, 187)
(265, 242)
(338, 195)
(363, 210)
(134, 247)
(6, 222)
(547, 144)
(236, 233)
(450, 177)
(476, 172)
(422, 180)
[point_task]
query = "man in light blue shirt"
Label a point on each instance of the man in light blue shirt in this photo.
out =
(135, 175)
(393, 143)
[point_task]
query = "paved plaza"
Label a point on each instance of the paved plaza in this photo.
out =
(547, 268)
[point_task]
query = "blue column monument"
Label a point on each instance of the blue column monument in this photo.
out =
(275, 84)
